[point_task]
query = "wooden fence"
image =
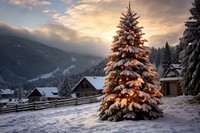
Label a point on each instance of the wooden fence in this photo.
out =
(48, 104)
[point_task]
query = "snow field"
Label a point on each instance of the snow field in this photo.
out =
(179, 117)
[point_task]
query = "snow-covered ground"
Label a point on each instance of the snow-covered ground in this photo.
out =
(179, 117)
(45, 76)
(67, 70)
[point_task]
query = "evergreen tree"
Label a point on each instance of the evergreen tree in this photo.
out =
(152, 56)
(131, 87)
(158, 58)
(179, 48)
(166, 58)
(190, 60)
(64, 89)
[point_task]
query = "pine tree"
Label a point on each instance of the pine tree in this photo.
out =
(152, 56)
(131, 87)
(158, 58)
(166, 58)
(64, 89)
(179, 48)
(190, 59)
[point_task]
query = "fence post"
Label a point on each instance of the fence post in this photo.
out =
(56, 103)
(34, 106)
(76, 101)
(90, 100)
(16, 107)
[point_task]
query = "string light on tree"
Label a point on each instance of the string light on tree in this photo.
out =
(133, 93)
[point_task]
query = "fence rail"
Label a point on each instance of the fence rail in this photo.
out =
(48, 104)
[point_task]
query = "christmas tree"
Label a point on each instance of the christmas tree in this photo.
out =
(131, 87)
(190, 59)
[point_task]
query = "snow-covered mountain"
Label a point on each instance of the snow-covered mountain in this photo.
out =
(22, 60)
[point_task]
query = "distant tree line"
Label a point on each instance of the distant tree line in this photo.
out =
(165, 56)
(160, 57)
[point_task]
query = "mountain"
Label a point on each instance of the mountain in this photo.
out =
(23, 60)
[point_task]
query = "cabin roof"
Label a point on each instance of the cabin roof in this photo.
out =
(174, 67)
(47, 91)
(170, 79)
(96, 81)
(6, 91)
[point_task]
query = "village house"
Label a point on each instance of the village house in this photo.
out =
(6, 93)
(44, 93)
(170, 83)
(89, 85)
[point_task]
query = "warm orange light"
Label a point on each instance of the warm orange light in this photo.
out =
(143, 100)
(125, 43)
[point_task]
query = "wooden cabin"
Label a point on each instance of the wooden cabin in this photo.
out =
(170, 83)
(44, 93)
(6, 93)
(89, 86)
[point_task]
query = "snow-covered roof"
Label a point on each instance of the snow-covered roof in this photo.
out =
(177, 66)
(179, 71)
(7, 91)
(170, 79)
(48, 91)
(97, 82)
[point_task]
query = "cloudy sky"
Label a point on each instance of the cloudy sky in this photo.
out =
(87, 26)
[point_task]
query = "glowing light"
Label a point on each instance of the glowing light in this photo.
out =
(120, 80)
(125, 42)
(140, 80)
(141, 42)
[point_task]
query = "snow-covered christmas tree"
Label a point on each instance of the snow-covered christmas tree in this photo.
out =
(131, 87)
(190, 56)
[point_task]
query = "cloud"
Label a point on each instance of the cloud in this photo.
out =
(87, 26)
(30, 3)
(61, 37)
(99, 18)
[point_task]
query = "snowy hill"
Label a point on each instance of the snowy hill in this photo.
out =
(179, 117)
(22, 60)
